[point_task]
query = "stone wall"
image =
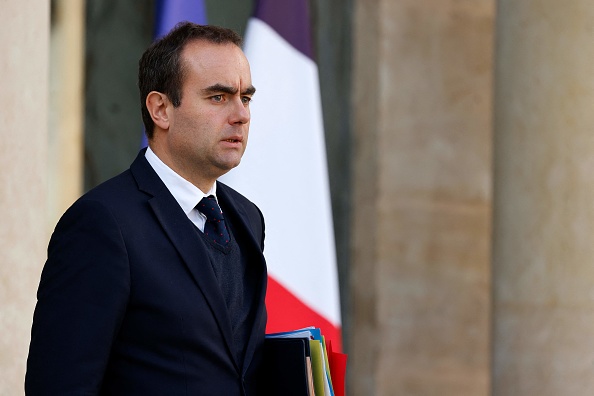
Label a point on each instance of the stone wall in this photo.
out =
(24, 75)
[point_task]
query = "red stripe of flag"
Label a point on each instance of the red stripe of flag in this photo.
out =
(287, 312)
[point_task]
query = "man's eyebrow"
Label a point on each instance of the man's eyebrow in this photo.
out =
(228, 90)
(249, 90)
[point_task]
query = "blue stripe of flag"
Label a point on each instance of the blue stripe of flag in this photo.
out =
(290, 19)
(170, 12)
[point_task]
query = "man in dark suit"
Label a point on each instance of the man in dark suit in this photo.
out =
(148, 288)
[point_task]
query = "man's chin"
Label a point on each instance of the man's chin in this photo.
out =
(228, 166)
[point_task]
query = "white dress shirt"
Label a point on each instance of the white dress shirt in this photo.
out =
(185, 193)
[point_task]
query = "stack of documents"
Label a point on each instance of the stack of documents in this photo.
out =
(302, 363)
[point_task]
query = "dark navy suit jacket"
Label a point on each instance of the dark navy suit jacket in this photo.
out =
(128, 303)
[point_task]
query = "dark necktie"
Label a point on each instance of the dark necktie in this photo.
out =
(214, 228)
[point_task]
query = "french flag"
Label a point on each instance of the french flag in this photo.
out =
(284, 171)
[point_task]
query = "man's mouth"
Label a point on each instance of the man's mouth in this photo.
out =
(231, 140)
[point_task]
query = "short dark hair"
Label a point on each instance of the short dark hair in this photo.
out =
(160, 68)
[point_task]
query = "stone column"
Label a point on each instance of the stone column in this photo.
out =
(422, 197)
(23, 163)
(65, 151)
(543, 251)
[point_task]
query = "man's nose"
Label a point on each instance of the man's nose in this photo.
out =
(240, 113)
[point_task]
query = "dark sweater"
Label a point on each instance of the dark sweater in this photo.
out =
(237, 285)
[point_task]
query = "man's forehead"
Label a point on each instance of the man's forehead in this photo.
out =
(216, 64)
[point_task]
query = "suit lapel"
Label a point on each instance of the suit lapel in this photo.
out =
(237, 214)
(183, 236)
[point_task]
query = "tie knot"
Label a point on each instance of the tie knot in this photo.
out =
(214, 228)
(210, 208)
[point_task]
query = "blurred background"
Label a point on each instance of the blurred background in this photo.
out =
(460, 147)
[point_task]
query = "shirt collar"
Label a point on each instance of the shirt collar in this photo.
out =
(185, 193)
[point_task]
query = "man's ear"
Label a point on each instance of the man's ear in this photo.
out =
(156, 104)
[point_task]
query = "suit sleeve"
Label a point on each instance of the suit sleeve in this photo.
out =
(81, 300)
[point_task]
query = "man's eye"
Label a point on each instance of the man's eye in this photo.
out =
(217, 98)
(246, 99)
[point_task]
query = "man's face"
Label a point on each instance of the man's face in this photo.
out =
(208, 132)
